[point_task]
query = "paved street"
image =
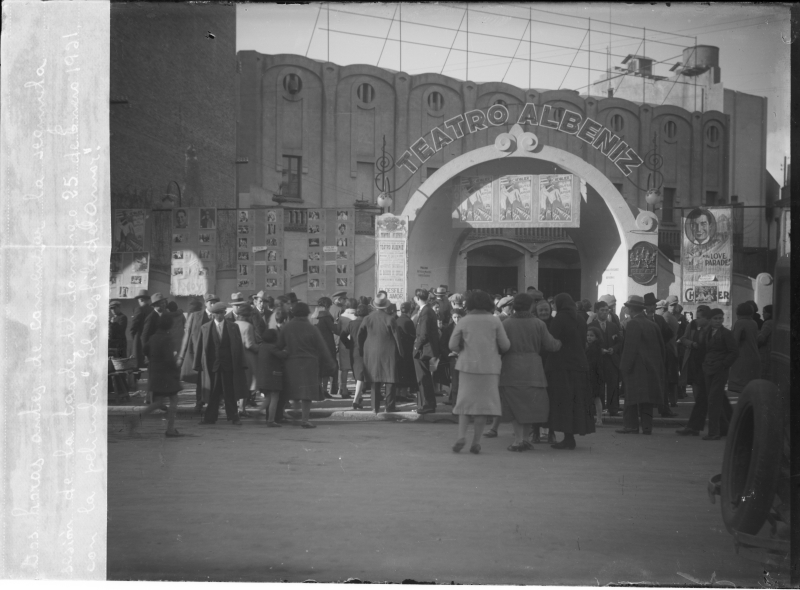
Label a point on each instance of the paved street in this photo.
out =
(385, 501)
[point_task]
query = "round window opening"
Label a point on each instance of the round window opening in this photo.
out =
(617, 123)
(501, 102)
(670, 129)
(712, 133)
(366, 93)
(435, 101)
(292, 84)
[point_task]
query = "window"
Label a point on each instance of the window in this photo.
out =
(430, 172)
(501, 102)
(366, 93)
(617, 123)
(290, 177)
(712, 134)
(670, 129)
(558, 113)
(711, 198)
(734, 199)
(668, 206)
(292, 84)
(435, 101)
(618, 186)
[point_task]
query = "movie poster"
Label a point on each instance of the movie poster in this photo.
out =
(557, 200)
(129, 230)
(391, 256)
(129, 273)
(194, 243)
(706, 258)
(516, 198)
(473, 200)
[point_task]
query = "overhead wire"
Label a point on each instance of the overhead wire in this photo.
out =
(387, 35)
(573, 61)
(313, 30)
(515, 53)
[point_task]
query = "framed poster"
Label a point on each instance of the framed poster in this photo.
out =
(473, 201)
(557, 200)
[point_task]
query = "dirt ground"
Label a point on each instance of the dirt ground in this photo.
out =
(384, 501)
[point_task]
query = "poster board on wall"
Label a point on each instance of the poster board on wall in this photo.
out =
(391, 256)
(520, 200)
(259, 251)
(706, 259)
(194, 251)
(331, 251)
(130, 256)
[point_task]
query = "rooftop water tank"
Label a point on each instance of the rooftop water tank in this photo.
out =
(699, 59)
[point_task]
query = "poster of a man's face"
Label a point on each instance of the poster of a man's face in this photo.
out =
(342, 229)
(271, 217)
(180, 220)
(208, 218)
(272, 255)
(244, 216)
(272, 269)
(271, 283)
(243, 243)
(701, 226)
(141, 262)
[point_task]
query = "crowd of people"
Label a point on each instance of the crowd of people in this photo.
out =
(520, 358)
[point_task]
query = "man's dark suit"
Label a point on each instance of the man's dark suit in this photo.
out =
(188, 350)
(721, 353)
(151, 325)
(612, 338)
(221, 365)
(426, 347)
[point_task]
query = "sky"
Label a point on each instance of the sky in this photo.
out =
(754, 52)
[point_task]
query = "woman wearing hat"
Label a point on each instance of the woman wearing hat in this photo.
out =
(479, 339)
(329, 331)
(308, 357)
(243, 318)
(567, 372)
(748, 365)
(137, 325)
(523, 386)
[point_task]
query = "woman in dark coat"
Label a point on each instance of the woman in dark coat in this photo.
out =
(327, 329)
(748, 364)
(379, 340)
(567, 373)
(163, 377)
(544, 312)
(350, 340)
(308, 357)
(408, 334)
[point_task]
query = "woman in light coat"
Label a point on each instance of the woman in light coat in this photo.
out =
(249, 351)
(479, 339)
(523, 385)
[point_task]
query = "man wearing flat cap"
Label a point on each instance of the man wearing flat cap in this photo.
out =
(221, 364)
(188, 349)
(642, 369)
(137, 326)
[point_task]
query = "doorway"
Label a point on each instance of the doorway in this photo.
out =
(560, 272)
(492, 279)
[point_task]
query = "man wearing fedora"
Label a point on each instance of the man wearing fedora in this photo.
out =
(137, 325)
(445, 308)
(188, 350)
(426, 352)
(670, 360)
(642, 369)
(159, 308)
(339, 305)
(221, 364)
(611, 349)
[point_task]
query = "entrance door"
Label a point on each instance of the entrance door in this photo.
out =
(553, 281)
(492, 279)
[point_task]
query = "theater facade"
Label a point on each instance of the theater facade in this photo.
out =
(502, 187)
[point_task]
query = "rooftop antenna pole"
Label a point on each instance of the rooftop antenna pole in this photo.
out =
(329, 32)
(530, 43)
(695, 77)
(467, 41)
(644, 53)
(589, 70)
(401, 35)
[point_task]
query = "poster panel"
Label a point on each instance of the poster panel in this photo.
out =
(391, 256)
(473, 201)
(129, 273)
(129, 230)
(316, 232)
(516, 198)
(706, 259)
(557, 200)
(194, 243)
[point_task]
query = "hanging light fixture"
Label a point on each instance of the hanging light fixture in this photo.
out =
(384, 201)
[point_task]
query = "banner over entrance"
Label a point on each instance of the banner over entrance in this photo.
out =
(527, 200)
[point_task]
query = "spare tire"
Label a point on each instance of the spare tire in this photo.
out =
(752, 460)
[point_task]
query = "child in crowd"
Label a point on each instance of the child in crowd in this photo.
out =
(269, 373)
(594, 355)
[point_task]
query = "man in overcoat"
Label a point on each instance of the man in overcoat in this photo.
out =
(611, 347)
(188, 349)
(670, 361)
(408, 335)
(695, 341)
(642, 368)
(137, 325)
(379, 338)
(221, 364)
(426, 352)
(721, 352)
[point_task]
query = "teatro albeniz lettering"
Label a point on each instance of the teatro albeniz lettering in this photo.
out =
(589, 130)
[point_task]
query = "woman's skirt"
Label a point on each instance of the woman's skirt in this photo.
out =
(525, 404)
(478, 395)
